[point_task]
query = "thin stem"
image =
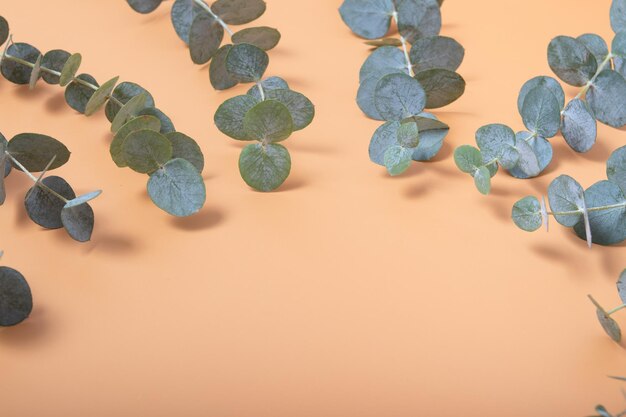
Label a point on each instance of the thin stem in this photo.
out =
(35, 179)
(589, 210)
(601, 67)
(616, 309)
(58, 74)
(206, 7)
(261, 90)
(405, 49)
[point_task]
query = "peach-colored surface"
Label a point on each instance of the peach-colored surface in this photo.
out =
(345, 294)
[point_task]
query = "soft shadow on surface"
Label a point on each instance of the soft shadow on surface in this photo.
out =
(291, 184)
(30, 331)
(561, 255)
(298, 146)
(501, 208)
(206, 219)
(599, 153)
(56, 103)
(108, 243)
(25, 92)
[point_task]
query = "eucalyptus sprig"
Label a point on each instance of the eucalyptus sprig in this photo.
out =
(145, 139)
(597, 214)
(403, 76)
(610, 326)
(584, 62)
(203, 27)
(51, 201)
(16, 300)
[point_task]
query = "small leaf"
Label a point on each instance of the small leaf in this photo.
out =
(608, 225)
(602, 411)
(384, 42)
(268, 121)
(177, 188)
(34, 151)
(609, 325)
(383, 61)
(3, 164)
(264, 167)
(571, 61)
(468, 159)
(43, 207)
(263, 37)
(133, 125)
(246, 63)
(16, 300)
(219, 76)
(69, 69)
(621, 286)
(398, 96)
(497, 142)
(82, 199)
(144, 6)
(566, 196)
(239, 12)
(128, 110)
(100, 96)
(271, 83)
(77, 95)
(545, 82)
(123, 93)
(527, 215)
(482, 180)
(186, 148)
(397, 160)
(4, 30)
(408, 134)
(78, 221)
(606, 98)
(205, 38)
(182, 15)
(369, 19)
(616, 168)
(15, 72)
(541, 112)
(146, 150)
(300, 107)
(579, 127)
(229, 117)
(436, 52)
(35, 73)
(442, 86)
(54, 60)
(384, 137)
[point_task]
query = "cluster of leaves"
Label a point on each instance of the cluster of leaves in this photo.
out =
(202, 28)
(597, 214)
(270, 112)
(51, 201)
(403, 76)
(145, 139)
(16, 300)
(609, 325)
(584, 62)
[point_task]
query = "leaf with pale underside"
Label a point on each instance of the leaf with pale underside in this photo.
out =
(35, 73)
(177, 188)
(68, 72)
(526, 214)
(609, 325)
(578, 126)
(482, 180)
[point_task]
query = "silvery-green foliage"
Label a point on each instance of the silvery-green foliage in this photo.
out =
(130, 108)
(405, 75)
(47, 199)
(204, 27)
(597, 214)
(16, 300)
(609, 325)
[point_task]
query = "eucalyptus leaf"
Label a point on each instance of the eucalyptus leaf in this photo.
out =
(205, 38)
(384, 137)
(271, 83)
(124, 92)
(263, 37)
(365, 97)
(397, 159)
(541, 112)
(246, 63)
(78, 221)
(571, 61)
(68, 72)
(528, 162)
(618, 15)
(442, 86)
(146, 150)
(300, 107)
(497, 142)
(608, 225)
(398, 96)
(566, 196)
(369, 19)
(35, 73)
(128, 110)
(218, 75)
(177, 188)
(541, 148)
(186, 148)
(54, 60)
(77, 95)
(182, 15)
(609, 325)
(432, 133)
(596, 45)
(527, 214)
(482, 180)
(166, 123)
(578, 126)
(100, 96)
(468, 159)
(618, 46)
(34, 151)
(238, 12)
(15, 72)
(268, 121)
(621, 286)
(264, 167)
(145, 122)
(616, 168)
(418, 18)
(43, 207)
(408, 134)
(230, 115)
(3, 165)
(436, 52)
(606, 98)
(383, 61)
(144, 6)
(541, 81)
(4, 30)
(16, 300)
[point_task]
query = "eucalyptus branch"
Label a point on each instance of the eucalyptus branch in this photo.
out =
(16, 300)
(584, 62)
(597, 214)
(397, 84)
(145, 139)
(610, 326)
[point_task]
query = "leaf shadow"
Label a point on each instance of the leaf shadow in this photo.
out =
(112, 244)
(562, 255)
(298, 146)
(24, 92)
(56, 103)
(28, 332)
(599, 153)
(291, 184)
(208, 218)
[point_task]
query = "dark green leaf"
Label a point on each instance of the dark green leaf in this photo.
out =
(263, 37)
(123, 92)
(34, 151)
(238, 12)
(571, 61)
(16, 300)
(219, 76)
(205, 38)
(144, 6)
(100, 96)
(146, 122)
(182, 15)
(186, 148)
(128, 110)
(264, 167)
(300, 107)
(268, 121)
(399, 96)
(246, 63)
(166, 123)
(369, 19)
(43, 207)
(177, 188)
(18, 73)
(68, 72)
(146, 150)
(229, 117)
(54, 60)
(77, 95)
(442, 86)
(4, 30)
(436, 52)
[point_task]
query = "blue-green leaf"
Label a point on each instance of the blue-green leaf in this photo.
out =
(541, 112)
(526, 214)
(399, 96)
(264, 167)
(397, 159)
(369, 19)
(571, 61)
(579, 127)
(566, 195)
(607, 98)
(177, 188)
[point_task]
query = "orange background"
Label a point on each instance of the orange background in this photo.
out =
(345, 293)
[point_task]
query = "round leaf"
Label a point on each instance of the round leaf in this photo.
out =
(4, 30)
(54, 60)
(246, 63)
(138, 123)
(268, 121)
(264, 167)
(436, 52)
(596, 45)
(541, 81)
(16, 300)
(166, 123)
(34, 151)
(127, 111)
(370, 19)
(616, 168)
(78, 221)
(77, 95)
(271, 83)
(146, 150)
(18, 73)
(384, 137)
(100, 96)
(300, 107)
(418, 19)
(528, 164)
(43, 207)
(182, 15)
(468, 159)
(621, 286)
(383, 61)
(618, 15)
(69, 69)
(442, 86)
(238, 12)
(527, 215)
(263, 37)
(229, 117)
(205, 38)
(186, 148)
(482, 180)
(541, 112)
(606, 98)
(566, 196)
(399, 96)
(123, 92)
(177, 188)
(497, 141)
(397, 160)
(608, 226)
(144, 6)
(408, 134)
(432, 132)
(218, 75)
(365, 97)
(571, 61)
(579, 127)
